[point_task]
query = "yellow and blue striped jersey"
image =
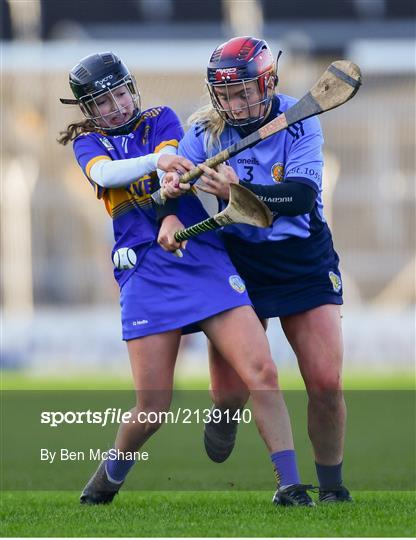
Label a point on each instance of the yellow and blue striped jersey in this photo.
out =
(134, 219)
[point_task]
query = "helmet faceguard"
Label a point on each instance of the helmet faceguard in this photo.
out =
(103, 75)
(233, 66)
(90, 106)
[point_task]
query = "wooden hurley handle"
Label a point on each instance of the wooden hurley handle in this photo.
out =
(211, 162)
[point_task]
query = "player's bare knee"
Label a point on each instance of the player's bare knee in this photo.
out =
(265, 375)
(324, 381)
(326, 391)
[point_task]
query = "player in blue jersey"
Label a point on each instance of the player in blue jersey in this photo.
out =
(291, 268)
(119, 148)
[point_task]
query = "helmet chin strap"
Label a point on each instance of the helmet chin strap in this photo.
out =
(251, 128)
(247, 129)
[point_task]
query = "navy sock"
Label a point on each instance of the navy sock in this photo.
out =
(329, 476)
(285, 467)
(117, 469)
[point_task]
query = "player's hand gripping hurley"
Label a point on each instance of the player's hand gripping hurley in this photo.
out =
(339, 83)
(243, 207)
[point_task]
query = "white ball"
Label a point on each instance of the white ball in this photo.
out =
(124, 258)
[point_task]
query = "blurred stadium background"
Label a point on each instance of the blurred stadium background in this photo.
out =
(59, 301)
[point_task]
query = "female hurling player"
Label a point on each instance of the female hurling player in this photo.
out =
(291, 268)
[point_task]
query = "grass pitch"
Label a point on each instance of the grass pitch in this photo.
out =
(212, 514)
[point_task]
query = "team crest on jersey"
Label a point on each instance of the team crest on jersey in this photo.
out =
(336, 281)
(277, 171)
(107, 143)
(237, 284)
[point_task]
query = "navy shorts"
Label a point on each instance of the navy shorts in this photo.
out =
(289, 276)
(164, 292)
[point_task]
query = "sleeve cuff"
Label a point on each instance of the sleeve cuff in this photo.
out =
(302, 180)
(170, 208)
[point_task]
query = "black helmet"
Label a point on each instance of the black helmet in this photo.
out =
(99, 74)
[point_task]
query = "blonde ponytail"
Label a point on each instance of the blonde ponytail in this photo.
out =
(214, 125)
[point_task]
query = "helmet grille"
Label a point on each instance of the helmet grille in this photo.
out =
(108, 58)
(216, 55)
(81, 72)
(244, 52)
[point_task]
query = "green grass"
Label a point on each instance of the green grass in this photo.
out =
(212, 514)
(289, 380)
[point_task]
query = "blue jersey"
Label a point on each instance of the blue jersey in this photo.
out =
(290, 267)
(292, 153)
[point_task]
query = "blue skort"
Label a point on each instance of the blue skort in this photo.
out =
(289, 276)
(164, 292)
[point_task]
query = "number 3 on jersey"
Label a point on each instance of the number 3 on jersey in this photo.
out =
(249, 173)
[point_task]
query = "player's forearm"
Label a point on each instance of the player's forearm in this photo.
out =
(122, 172)
(287, 198)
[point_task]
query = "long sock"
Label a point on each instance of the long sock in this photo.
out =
(285, 468)
(117, 469)
(329, 476)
